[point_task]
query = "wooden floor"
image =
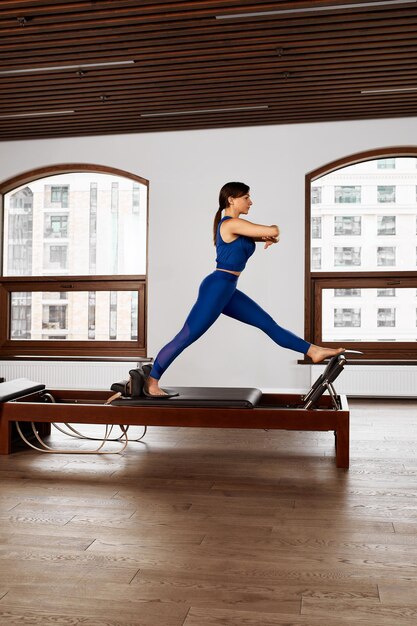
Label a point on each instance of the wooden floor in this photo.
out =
(207, 528)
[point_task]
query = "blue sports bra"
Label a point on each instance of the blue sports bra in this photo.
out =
(234, 255)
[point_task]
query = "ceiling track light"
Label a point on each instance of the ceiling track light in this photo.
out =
(196, 111)
(56, 68)
(35, 114)
(339, 7)
(388, 90)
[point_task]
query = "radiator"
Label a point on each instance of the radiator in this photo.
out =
(355, 380)
(384, 381)
(68, 374)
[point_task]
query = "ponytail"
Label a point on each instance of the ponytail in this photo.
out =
(234, 190)
(216, 222)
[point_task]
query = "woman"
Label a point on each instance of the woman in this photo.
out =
(234, 239)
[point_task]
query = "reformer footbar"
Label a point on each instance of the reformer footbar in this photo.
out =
(325, 381)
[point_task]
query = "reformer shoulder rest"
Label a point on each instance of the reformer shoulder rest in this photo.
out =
(17, 388)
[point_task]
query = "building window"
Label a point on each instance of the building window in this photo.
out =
(386, 225)
(347, 318)
(386, 256)
(55, 316)
(386, 193)
(347, 225)
(375, 272)
(55, 257)
(347, 257)
(316, 258)
(347, 293)
(21, 315)
(385, 293)
(134, 317)
(316, 195)
(346, 193)
(316, 228)
(135, 198)
(91, 314)
(56, 226)
(385, 164)
(59, 195)
(90, 226)
(386, 318)
(92, 235)
(113, 315)
(18, 261)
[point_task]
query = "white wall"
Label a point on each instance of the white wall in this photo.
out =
(186, 170)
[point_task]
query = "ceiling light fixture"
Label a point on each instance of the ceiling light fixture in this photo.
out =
(54, 68)
(225, 110)
(37, 114)
(338, 7)
(389, 90)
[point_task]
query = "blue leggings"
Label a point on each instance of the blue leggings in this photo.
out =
(218, 294)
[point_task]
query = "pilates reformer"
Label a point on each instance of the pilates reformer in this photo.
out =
(22, 400)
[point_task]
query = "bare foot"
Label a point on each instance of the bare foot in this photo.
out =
(152, 387)
(318, 353)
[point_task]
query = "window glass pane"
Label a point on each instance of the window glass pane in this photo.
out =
(386, 164)
(316, 228)
(315, 195)
(385, 293)
(386, 256)
(347, 193)
(349, 293)
(371, 318)
(386, 224)
(79, 316)
(386, 193)
(360, 205)
(386, 317)
(347, 256)
(347, 317)
(316, 258)
(83, 224)
(21, 315)
(347, 225)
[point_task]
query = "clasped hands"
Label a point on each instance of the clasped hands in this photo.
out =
(269, 241)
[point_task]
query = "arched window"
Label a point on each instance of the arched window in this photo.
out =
(74, 256)
(361, 254)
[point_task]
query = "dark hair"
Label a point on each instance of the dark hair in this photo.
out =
(236, 190)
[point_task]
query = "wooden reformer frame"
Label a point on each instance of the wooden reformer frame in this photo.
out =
(273, 411)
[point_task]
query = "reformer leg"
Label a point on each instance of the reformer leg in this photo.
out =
(342, 442)
(5, 436)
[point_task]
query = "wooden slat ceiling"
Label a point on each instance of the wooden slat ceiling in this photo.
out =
(86, 68)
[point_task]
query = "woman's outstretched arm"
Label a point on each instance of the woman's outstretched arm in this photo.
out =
(237, 226)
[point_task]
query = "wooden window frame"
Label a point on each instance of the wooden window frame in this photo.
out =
(90, 349)
(315, 282)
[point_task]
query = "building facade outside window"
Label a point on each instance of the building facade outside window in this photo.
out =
(78, 241)
(371, 200)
